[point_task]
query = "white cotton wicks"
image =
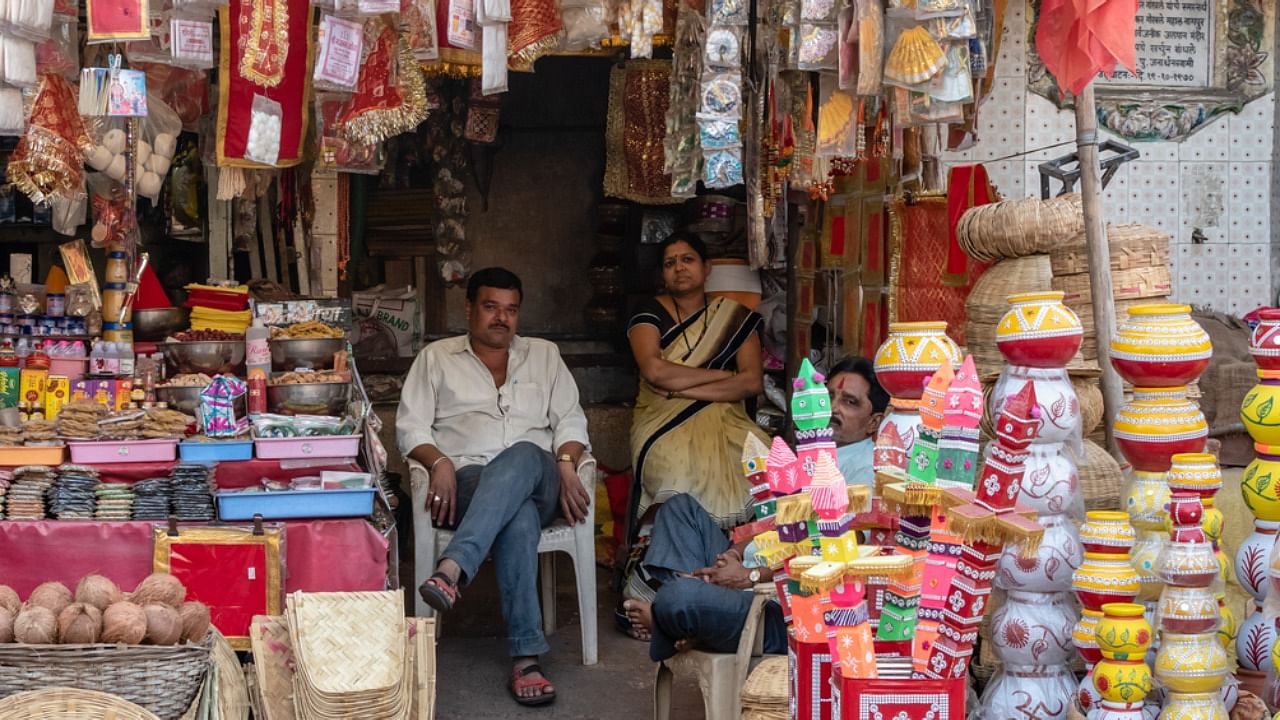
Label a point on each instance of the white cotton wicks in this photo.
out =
(158, 164)
(99, 158)
(117, 169)
(264, 138)
(114, 141)
(11, 115)
(143, 151)
(149, 185)
(19, 62)
(166, 145)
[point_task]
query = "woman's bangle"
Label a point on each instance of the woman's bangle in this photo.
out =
(439, 460)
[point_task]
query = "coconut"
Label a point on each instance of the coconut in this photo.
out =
(52, 596)
(80, 624)
(164, 627)
(195, 621)
(97, 591)
(35, 626)
(124, 622)
(6, 625)
(9, 600)
(160, 589)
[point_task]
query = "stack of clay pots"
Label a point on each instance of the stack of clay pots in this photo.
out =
(912, 349)
(1104, 577)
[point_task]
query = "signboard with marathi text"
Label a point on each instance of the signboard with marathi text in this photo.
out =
(1174, 40)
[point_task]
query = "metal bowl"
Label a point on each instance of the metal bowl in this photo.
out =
(187, 399)
(310, 353)
(308, 398)
(158, 323)
(211, 357)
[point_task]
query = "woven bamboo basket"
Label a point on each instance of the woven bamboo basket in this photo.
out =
(1131, 246)
(163, 680)
(988, 302)
(233, 689)
(1089, 393)
(70, 704)
(1089, 348)
(1017, 228)
(1130, 284)
(765, 691)
(1100, 478)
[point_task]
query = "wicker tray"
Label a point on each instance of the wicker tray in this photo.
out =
(69, 704)
(163, 680)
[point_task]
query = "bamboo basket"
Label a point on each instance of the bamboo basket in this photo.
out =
(1089, 393)
(988, 302)
(1131, 246)
(1100, 478)
(70, 704)
(1017, 228)
(1089, 348)
(164, 680)
(1130, 284)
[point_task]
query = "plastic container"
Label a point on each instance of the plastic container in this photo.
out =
(72, 368)
(50, 455)
(215, 450)
(120, 451)
(289, 504)
(332, 446)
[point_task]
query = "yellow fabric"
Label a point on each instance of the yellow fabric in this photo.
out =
(241, 289)
(702, 456)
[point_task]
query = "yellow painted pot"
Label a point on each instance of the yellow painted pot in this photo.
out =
(1123, 632)
(1195, 472)
(1157, 424)
(1122, 681)
(1146, 500)
(1106, 531)
(1228, 625)
(1160, 346)
(911, 354)
(1039, 331)
(1260, 485)
(1260, 410)
(1102, 579)
(1084, 635)
(1193, 706)
(1191, 663)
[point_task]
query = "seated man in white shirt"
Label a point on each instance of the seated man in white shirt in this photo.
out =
(485, 412)
(858, 404)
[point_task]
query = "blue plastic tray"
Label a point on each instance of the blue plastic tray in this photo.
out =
(289, 504)
(215, 450)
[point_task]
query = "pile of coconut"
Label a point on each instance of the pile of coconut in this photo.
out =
(155, 613)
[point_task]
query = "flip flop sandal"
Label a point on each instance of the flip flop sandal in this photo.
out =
(520, 681)
(624, 624)
(439, 592)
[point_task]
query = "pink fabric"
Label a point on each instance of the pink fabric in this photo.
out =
(227, 475)
(320, 555)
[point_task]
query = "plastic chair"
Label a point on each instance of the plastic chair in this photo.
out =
(720, 675)
(577, 540)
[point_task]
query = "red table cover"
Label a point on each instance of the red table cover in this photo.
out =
(862, 699)
(320, 555)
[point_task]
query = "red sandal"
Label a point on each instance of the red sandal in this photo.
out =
(520, 680)
(439, 592)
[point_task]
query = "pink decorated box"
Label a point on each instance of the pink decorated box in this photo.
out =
(121, 451)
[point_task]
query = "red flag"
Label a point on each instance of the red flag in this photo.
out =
(1077, 39)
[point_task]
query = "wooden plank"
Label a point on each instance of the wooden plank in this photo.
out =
(266, 238)
(219, 229)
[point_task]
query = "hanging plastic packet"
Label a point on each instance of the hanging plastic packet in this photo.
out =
(336, 152)
(723, 48)
(155, 150)
(117, 20)
(958, 27)
(733, 12)
(586, 24)
(719, 134)
(114, 221)
(418, 27)
(28, 19)
(195, 9)
(12, 114)
(462, 24)
(924, 110)
(837, 118)
(19, 62)
(722, 169)
(263, 145)
(191, 43)
(870, 21)
(60, 54)
(68, 213)
(338, 60)
(848, 49)
(818, 47)
(819, 11)
(377, 7)
(721, 95)
(955, 82)
(927, 9)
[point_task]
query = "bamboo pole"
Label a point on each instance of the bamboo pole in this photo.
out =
(1095, 231)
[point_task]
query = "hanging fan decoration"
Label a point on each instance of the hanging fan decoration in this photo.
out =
(915, 58)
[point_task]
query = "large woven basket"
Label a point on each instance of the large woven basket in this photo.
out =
(1017, 228)
(1100, 478)
(70, 704)
(989, 301)
(1129, 246)
(1089, 394)
(163, 680)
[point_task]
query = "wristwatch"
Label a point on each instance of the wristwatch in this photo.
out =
(565, 457)
(754, 576)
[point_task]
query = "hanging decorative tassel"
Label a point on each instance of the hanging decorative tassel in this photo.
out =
(379, 109)
(231, 183)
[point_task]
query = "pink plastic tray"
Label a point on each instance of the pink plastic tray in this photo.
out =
(117, 451)
(333, 446)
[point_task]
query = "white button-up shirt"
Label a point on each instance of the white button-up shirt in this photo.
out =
(449, 401)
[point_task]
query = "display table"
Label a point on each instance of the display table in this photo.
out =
(320, 555)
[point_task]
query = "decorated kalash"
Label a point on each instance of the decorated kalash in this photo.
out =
(887, 631)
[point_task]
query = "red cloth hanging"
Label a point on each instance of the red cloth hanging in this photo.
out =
(967, 187)
(1077, 39)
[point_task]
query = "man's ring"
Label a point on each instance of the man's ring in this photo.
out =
(435, 498)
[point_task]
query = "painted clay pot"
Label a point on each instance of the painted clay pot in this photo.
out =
(1049, 570)
(1106, 531)
(1260, 485)
(1122, 681)
(1107, 710)
(1048, 688)
(1123, 631)
(1253, 556)
(1039, 331)
(1254, 642)
(1144, 558)
(1264, 345)
(1083, 635)
(1055, 396)
(1033, 628)
(1087, 695)
(1146, 500)
(904, 416)
(1260, 409)
(1191, 663)
(911, 354)
(1050, 482)
(1228, 625)
(1160, 346)
(1103, 579)
(1195, 472)
(1193, 706)
(1186, 513)
(1230, 693)
(1273, 569)
(1158, 424)
(1188, 564)
(1187, 610)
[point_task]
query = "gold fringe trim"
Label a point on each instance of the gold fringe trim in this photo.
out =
(885, 479)
(374, 126)
(859, 498)
(823, 577)
(794, 508)
(911, 498)
(800, 564)
(524, 60)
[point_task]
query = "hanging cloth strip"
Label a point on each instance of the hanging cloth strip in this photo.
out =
(967, 187)
(492, 16)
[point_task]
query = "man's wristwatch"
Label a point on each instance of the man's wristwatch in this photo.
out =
(754, 576)
(565, 457)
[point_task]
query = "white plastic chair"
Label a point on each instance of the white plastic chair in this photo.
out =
(576, 540)
(720, 675)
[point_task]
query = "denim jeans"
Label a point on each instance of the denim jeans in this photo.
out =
(685, 539)
(513, 497)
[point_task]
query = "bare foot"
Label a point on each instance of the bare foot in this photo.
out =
(640, 615)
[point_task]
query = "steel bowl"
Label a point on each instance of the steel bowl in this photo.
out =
(310, 353)
(211, 357)
(159, 323)
(187, 399)
(308, 398)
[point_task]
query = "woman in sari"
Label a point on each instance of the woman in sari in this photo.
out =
(699, 358)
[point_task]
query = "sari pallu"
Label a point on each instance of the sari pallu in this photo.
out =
(694, 446)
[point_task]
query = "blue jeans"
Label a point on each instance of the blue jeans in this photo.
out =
(685, 539)
(514, 496)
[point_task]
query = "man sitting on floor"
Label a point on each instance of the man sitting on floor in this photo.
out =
(700, 578)
(483, 412)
